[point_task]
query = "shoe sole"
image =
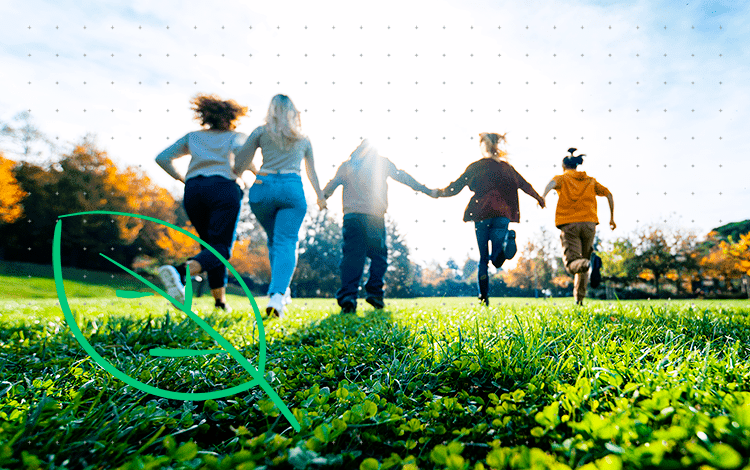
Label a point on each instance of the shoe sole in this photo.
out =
(170, 278)
(349, 307)
(377, 305)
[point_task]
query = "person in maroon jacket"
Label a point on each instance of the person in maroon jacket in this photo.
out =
(493, 206)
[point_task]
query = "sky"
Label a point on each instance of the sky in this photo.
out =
(655, 94)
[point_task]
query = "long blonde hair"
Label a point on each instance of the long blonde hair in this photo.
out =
(283, 121)
(490, 143)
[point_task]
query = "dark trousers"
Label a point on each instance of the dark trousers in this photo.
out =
(489, 230)
(364, 237)
(213, 205)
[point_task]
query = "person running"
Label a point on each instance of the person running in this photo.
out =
(212, 194)
(277, 197)
(493, 206)
(365, 199)
(576, 217)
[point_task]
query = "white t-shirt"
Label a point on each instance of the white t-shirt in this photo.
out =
(211, 152)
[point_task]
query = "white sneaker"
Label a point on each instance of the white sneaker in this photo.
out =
(287, 296)
(276, 305)
(172, 282)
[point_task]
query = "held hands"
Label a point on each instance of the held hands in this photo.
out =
(542, 202)
(322, 203)
(434, 193)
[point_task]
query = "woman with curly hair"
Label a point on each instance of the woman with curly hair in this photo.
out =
(212, 195)
(277, 198)
(493, 206)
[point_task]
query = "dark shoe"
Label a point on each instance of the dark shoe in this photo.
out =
(579, 303)
(499, 260)
(182, 271)
(510, 248)
(485, 301)
(222, 306)
(376, 302)
(596, 271)
(348, 306)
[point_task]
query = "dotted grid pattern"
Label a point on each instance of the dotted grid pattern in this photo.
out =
(654, 108)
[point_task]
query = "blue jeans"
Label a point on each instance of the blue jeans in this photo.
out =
(489, 230)
(213, 205)
(364, 237)
(278, 202)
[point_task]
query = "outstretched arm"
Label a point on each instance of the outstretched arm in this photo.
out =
(455, 187)
(611, 201)
(334, 183)
(550, 186)
(313, 177)
(528, 189)
(405, 178)
(603, 191)
(243, 158)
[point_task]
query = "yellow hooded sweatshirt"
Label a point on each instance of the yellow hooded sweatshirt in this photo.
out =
(577, 197)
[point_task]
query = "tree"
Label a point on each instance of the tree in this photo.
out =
(400, 275)
(537, 265)
(469, 271)
(83, 180)
(663, 254)
(727, 260)
(10, 193)
(23, 139)
(319, 256)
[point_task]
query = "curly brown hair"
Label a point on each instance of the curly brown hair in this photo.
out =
(216, 113)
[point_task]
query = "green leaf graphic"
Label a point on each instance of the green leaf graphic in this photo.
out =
(256, 373)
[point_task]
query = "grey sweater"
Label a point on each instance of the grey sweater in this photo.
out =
(211, 152)
(365, 187)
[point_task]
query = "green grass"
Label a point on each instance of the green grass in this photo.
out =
(425, 383)
(33, 281)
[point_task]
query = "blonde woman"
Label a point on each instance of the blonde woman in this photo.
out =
(576, 217)
(493, 206)
(277, 198)
(212, 195)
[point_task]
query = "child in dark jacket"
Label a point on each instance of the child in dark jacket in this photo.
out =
(365, 199)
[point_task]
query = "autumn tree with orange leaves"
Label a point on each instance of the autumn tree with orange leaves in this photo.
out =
(10, 193)
(82, 180)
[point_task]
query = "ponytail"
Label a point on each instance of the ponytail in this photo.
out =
(571, 161)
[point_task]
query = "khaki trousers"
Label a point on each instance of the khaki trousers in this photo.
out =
(578, 243)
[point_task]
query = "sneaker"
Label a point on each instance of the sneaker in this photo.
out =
(276, 305)
(485, 301)
(596, 271)
(348, 306)
(376, 302)
(510, 248)
(222, 306)
(287, 296)
(170, 278)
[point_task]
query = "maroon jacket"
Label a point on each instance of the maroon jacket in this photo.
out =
(495, 185)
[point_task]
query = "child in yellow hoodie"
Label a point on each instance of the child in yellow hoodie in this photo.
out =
(576, 217)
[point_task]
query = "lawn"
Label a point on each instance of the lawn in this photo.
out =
(425, 383)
